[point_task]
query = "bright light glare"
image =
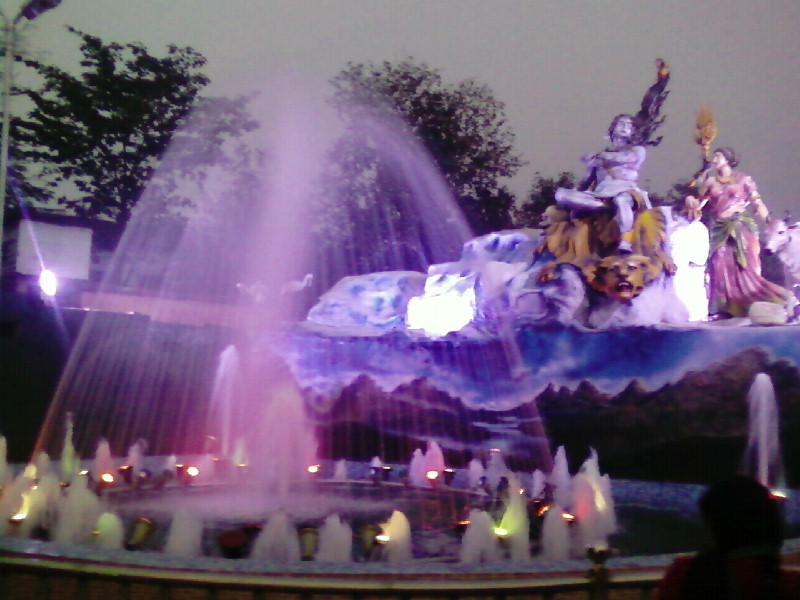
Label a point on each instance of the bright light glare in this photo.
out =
(432, 475)
(442, 314)
(690, 245)
(23, 511)
(107, 478)
(192, 471)
(500, 531)
(313, 468)
(382, 538)
(48, 282)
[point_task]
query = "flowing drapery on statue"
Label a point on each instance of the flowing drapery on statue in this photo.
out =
(734, 267)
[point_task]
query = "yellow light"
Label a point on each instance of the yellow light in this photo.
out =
(192, 471)
(599, 499)
(313, 468)
(521, 491)
(778, 494)
(382, 538)
(23, 509)
(543, 509)
(500, 531)
(432, 475)
(568, 516)
(107, 478)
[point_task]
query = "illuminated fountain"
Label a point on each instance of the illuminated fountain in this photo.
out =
(191, 364)
(206, 357)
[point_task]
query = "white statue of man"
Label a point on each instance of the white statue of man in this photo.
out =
(611, 180)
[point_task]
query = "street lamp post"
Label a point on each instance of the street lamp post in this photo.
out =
(30, 10)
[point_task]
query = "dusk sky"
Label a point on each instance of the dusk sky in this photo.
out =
(563, 67)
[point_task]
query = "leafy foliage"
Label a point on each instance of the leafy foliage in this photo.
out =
(461, 125)
(94, 141)
(541, 195)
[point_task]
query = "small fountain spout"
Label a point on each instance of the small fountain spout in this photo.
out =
(555, 535)
(335, 541)
(397, 542)
(515, 524)
(479, 543)
(70, 463)
(762, 458)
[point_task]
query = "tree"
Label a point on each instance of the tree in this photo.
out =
(541, 195)
(94, 141)
(462, 126)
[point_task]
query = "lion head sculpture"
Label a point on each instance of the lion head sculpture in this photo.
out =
(623, 277)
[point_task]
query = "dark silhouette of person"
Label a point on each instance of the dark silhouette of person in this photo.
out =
(742, 562)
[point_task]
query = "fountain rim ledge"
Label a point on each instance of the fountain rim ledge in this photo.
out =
(82, 557)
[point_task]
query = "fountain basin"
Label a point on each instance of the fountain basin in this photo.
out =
(655, 519)
(42, 570)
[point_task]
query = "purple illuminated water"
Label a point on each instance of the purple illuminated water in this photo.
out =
(177, 358)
